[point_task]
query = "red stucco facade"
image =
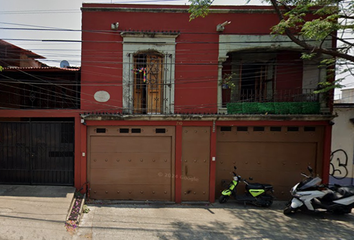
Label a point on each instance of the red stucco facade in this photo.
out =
(197, 49)
(196, 72)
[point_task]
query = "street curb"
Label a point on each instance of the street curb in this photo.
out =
(72, 224)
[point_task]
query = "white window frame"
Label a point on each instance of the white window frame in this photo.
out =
(164, 43)
(233, 43)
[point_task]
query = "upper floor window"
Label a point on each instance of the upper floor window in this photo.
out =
(148, 83)
(148, 72)
(269, 71)
(248, 78)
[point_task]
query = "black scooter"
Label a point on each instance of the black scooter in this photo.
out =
(255, 193)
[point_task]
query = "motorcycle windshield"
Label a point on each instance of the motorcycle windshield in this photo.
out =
(311, 182)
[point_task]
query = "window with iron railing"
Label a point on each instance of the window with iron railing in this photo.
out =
(148, 83)
(264, 77)
(148, 72)
(149, 89)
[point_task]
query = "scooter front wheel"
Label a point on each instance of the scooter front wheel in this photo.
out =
(289, 210)
(223, 199)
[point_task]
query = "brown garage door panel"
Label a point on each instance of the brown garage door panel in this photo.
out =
(195, 163)
(131, 176)
(138, 160)
(301, 135)
(194, 191)
(191, 170)
(155, 192)
(130, 144)
(276, 163)
(259, 154)
(135, 165)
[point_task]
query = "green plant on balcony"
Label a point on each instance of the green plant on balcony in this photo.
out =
(273, 108)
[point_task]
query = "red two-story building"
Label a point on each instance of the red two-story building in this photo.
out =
(169, 106)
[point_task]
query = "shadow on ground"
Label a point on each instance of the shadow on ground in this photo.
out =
(35, 191)
(211, 221)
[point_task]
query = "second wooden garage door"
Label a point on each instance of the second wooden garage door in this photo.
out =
(273, 155)
(131, 163)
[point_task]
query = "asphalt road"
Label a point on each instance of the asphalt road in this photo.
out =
(107, 220)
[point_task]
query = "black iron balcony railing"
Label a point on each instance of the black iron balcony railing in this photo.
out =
(284, 95)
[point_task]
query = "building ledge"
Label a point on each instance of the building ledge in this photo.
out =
(204, 117)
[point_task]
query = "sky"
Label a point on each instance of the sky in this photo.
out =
(34, 24)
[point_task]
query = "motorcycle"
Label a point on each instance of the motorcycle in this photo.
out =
(255, 193)
(311, 195)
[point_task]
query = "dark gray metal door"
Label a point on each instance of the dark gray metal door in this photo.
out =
(37, 153)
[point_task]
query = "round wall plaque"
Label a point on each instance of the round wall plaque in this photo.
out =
(102, 96)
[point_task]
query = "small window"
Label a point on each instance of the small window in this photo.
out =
(275, 129)
(225, 129)
(309, 129)
(160, 130)
(242, 129)
(136, 130)
(100, 130)
(124, 130)
(293, 129)
(258, 129)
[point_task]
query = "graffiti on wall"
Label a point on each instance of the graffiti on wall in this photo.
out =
(338, 164)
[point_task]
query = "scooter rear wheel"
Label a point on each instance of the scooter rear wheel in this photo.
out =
(223, 199)
(268, 203)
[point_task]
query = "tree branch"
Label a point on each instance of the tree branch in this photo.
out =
(306, 45)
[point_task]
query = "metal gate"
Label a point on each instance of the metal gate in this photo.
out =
(37, 153)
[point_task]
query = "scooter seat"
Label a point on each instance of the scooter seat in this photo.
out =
(346, 191)
(259, 186)
(331, 195)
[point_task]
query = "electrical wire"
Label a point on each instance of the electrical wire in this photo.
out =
(181, 64)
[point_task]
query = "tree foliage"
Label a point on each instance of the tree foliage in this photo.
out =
(306, 22)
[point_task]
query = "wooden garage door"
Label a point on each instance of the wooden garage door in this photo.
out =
(131, 163)
(274, 155)
(195, 163)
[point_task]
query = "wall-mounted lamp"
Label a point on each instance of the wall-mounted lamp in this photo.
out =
(114, 26)
(221, 27)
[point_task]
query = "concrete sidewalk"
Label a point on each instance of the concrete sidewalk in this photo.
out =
(34, 212)
(39, 212)
(210, 221)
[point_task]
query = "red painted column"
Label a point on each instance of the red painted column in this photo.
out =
(212, 164)
(77, 158)
(178, 163)
(326, 153)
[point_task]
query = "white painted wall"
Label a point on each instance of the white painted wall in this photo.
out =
(341, 169)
